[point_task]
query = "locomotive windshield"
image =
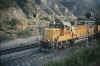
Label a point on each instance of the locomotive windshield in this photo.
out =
(57, 24)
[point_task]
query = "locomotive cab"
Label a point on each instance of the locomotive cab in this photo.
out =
(57, 32)
(51, 33)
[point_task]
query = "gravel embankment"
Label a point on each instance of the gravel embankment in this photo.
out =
(19, 42)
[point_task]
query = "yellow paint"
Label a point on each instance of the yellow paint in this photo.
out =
(91, 31)
(50, 34)
(55, 34)
(99, 28)
(79, 31)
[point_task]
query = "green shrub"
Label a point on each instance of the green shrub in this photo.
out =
(25, 33)
(4, 37)
(82, 57)
(4, 4)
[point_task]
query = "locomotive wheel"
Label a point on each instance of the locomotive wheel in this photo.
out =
(71, 43)
(67, 44)
(60, 45)
(64, 46)
(53, 45)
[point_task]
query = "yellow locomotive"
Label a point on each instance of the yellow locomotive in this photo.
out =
(60, 33)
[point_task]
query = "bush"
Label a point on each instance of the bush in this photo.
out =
(25, 33)
(82, 57)
(4, 4)
(4, 37)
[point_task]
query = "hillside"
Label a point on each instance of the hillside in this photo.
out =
(24, 18)
(19, 17)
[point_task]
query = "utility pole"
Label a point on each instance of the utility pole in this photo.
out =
(38, 23)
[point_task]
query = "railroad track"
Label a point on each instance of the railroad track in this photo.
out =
(30, 59)
(19, 58)
(21, 48)
(17, 45)
(18, 49)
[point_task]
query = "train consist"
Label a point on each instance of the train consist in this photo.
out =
(59, 34)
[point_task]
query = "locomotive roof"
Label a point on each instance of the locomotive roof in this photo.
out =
(66, 23)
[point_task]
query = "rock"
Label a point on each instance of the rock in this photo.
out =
(28, 17)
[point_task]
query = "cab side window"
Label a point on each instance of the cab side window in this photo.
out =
(67, 27)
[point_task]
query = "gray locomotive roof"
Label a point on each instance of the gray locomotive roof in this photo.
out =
(66, 23)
